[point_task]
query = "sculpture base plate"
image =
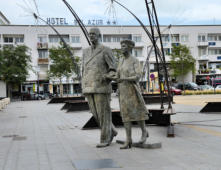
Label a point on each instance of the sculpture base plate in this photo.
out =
(144, 146)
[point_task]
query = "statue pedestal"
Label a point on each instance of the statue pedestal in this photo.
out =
(144, 146)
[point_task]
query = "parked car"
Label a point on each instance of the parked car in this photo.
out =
(174, 90)
(218, 87)
(206, 87)
(33, 96)
(188, 86)
(39, 96)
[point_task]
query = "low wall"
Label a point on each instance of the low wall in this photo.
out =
(2, 89)
(4, 102)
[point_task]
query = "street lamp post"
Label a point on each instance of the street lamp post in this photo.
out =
(37, 69)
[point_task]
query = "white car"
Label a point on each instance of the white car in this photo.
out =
(206, 87)
(218, 87)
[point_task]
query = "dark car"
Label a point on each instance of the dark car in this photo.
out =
(33, 96)
(38, 96)
(188, 86)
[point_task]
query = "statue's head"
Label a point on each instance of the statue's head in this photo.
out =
(94, 34)
(127, 45)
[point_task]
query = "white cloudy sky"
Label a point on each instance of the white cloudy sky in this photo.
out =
(169, 11)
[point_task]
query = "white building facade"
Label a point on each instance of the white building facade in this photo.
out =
(204, 42)
(3, 21)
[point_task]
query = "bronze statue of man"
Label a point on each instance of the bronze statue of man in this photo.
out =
(98, 66)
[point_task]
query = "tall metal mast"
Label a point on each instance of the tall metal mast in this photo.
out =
(154, 25)
(158, 51)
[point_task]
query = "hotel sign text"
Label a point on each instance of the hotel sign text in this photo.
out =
(63, 21)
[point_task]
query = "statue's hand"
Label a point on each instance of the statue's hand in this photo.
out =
(111, 75)
(114, 78)
(119, 80)
(104, 78)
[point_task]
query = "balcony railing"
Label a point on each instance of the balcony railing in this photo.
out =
(203, 57)
(204, 43)
(42, 45)
(206, 71)
(43, 76)
(43, 61)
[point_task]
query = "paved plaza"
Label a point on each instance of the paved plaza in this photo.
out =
(39, 136)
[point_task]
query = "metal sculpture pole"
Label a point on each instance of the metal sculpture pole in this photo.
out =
(151, 10)
(77, 69)
(83, 28)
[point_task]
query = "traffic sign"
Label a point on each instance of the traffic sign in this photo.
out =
(152, 76)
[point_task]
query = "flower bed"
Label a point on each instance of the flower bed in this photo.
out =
(201, 92)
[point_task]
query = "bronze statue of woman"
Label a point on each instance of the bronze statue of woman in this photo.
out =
(132, 106)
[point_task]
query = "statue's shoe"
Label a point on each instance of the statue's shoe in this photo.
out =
(144, 138)
(127, 145)
(102, 145)
(114, 133)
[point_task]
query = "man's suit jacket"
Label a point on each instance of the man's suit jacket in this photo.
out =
(95, 65)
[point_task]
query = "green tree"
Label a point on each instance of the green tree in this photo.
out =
(14, 65)
(182, 61)
(62, 64)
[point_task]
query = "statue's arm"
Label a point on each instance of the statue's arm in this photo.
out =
(111, 62)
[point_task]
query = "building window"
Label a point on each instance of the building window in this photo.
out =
(75, 39)
(19, 39)
(107, 38)
(42, 53)
(137, 38)
(175, 38)
(175, 44)
(116, 38)
(66, 38)
(212, 43)
(137, 52)
(165, 38)
(56, 39)
(202, 51)
(126, 37)
(214, 51)
(219, 58)
(184, 38)
(166, 51)
(8, 39)
(201, 38)
(42, 39)
(211, 52)
(213, 37)
(53, 39)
